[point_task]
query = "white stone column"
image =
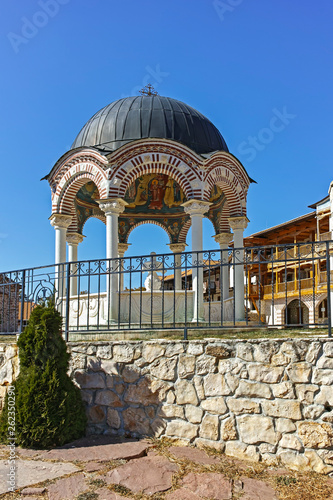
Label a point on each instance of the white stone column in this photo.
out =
(73, 240)
(196, 209)
(238, 224)
(223, 239)
(60, 222)
(177, 249)
(122, 248)
(112, 207)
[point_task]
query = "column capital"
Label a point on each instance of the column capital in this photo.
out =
(196, 207)
(177, 247)
(122, 248)
(62, 221)
(74, 238)
(223, 238)
(112, 205)
(237, 223)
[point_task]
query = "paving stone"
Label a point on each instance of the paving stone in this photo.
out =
(148, 475)
(30, 472)
(251, 489)
(33, 491)
(105, 494)
(208, 485)
(67, 488)
(193, 454)
(100, 452)
(93, 467)
(182, 494)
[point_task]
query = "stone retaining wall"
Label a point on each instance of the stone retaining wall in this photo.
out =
(263, 400)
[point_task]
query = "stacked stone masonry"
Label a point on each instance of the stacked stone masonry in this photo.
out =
(261, 400)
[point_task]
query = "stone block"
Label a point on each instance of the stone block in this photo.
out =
(312, 412)
(174, 348)
(325, 362)
(328, 348)
(206, 443)
(284, 425)
(244, 351)
(89, 380)
(171, 411)
(293, 460)
(152, 351)
(232, 381)
(186, 365)
(231, 365)
(209, 428)
(237, 449)
(325, 396)
(315, 434)
(283, 390)
(313, 352)
(205, 364)
(228, 430)
(282, 408)
(193, 414)
(328, 417)
(108, 398)
(198, 384)
(290, 441)
(215, 385)
(214, 405)
(265, 373)
(300, 372)
(305, 392)
(316, 463)
(113, 419)
(253, 390)
(242, 405)
(164, 368)
(96, 414)
(104, 351)
(130, 373)
(221, 351)
(185, 393)
(142, 393)
(254, 429)
(294, 350)
(322, 376)
(123, 353)
(110, 367)
(136, 421)
(181, 429)
(195, 348)
(264, 350)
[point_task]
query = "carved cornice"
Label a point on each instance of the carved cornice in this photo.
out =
(223, 238)
(196, 207)
(237, 223)
(74, 238)
(177, 247)
(112, 205)
(61, 221)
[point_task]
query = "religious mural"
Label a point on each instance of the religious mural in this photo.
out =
(151, 197)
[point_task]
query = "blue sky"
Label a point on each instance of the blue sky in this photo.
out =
(239, 62)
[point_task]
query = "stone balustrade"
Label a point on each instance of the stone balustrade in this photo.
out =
(261, 400)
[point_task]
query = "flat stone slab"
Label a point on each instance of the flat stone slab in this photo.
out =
(252, 489)
(99, 453)
(147, 475)
(33, 491)
(30, 472)
(93, 467)
(194, 454)
(182, 494)
(67, 488)
(105, 494)
(208, 485)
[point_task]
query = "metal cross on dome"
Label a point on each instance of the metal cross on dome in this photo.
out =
(148, 90)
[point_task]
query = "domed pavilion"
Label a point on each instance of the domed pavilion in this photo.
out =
(150, 159)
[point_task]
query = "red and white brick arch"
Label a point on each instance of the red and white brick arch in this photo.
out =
(148, 221)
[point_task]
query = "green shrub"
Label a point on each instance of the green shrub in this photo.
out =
(49, 410)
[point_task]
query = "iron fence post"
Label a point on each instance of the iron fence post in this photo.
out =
(22, 301)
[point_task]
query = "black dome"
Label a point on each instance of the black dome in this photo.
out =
(134, 118)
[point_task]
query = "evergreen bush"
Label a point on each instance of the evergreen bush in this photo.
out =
(49, 408)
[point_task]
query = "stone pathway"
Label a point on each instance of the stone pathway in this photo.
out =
(104, 468)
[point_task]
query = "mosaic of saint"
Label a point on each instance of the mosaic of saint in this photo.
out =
(154, 192)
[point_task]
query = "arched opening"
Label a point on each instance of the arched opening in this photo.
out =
(93, 245)
(296, 313)
(322, 311)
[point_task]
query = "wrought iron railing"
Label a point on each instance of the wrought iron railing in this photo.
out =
(284, 285)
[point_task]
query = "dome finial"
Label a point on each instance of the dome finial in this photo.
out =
(148, 90)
